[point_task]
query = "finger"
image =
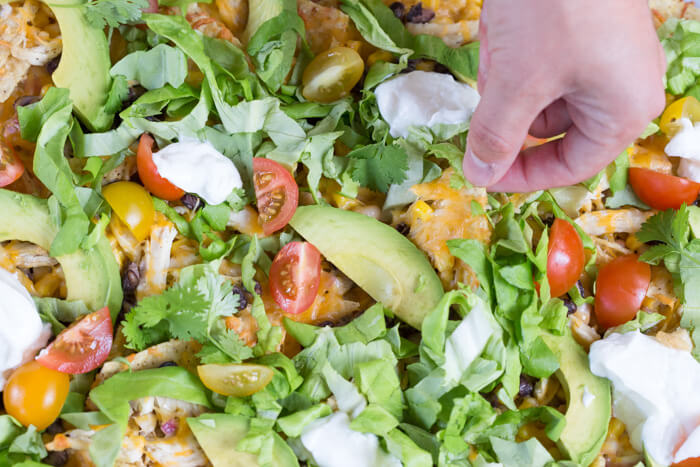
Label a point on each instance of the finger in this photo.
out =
(499, 126)
(559, 163)
(552, 121)
(484, 59)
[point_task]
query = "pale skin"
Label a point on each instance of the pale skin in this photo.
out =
(591, 69)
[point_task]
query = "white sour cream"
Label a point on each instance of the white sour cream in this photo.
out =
(686, 145)
(198, 168)
(654, 393)
(332, 443)
(23, 333)
(424, 99)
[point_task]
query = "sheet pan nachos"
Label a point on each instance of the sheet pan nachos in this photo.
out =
(237, 233)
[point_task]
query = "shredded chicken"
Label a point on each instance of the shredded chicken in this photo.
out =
(156, 258)
(612, 221)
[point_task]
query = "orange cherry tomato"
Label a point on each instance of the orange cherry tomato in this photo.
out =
(661, 191)
(565, 257)
(277, 194)
(34, 395)
(148, 172)
(81, 347)
(620, 288)
(295, 276)
(11, 168)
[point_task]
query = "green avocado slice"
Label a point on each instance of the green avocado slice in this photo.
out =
(84, 66)
(586, 424)
(91, 276)
(219, 433)
(390, 268)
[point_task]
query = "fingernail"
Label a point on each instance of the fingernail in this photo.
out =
(478, 172)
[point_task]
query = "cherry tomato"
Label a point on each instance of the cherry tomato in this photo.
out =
(11, 168)
(34, 395)
(295, 275)
(687, 107)
(690, 462)
(661, 191)
(565, 257)
(81, 347)
(621, 286)
(133, 205)
(237, 380)
(148, 172)
(277, 194)
(332, 75)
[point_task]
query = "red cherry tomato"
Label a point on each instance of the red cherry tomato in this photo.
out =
(690, 462)
(148, 172)
(11, 168)
(277, 194)
(661, 191)
(295, 275)
(81, 347)
(621, 286)
(565, 257)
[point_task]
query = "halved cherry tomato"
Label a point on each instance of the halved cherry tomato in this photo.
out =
(133, 205)
(332, 75)
(687, 107)
(236, 380)
(277, 194)
(11, 168)
(148, 172)
(81, 347)
(565, 257)
(34, 395)
(295, 275)
(661, 191)
(620, 288)
(691, 462)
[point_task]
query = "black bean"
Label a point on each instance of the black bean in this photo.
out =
(570, 306)
(580, 288)
(25, 100)
(53, 64)
(258, 288)
(164, 364)
(326, 323)
(56, 458)
(403, 228)
(419, 15)
(191, 201)
(527, 386)
(399, 10)
(242, 296)
(131, 278)
(135, 92)
(55, 427)
(548, 220)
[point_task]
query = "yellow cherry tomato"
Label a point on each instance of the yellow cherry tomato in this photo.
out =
(34, 395)
(133, 205)
(332, 75)
(687, 107)
(237, 380)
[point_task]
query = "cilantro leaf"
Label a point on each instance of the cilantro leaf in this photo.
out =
(112, 13)
(377, 166)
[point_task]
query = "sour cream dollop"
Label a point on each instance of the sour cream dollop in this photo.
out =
(23, 332)
(424, 99)
(197, 167)
(654, 393)
(686, 145)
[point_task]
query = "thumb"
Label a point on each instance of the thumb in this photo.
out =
(499, 127)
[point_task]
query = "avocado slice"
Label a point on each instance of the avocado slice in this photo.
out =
(586, 426)
(91, 276)
(376, 257)
(219, 433)
(84, 66)
(259, 12)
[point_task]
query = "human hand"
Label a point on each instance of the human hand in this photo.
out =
(591, 69)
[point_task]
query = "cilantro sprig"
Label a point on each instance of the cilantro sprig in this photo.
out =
(192, 309)
(670, 231)
(112, 13)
